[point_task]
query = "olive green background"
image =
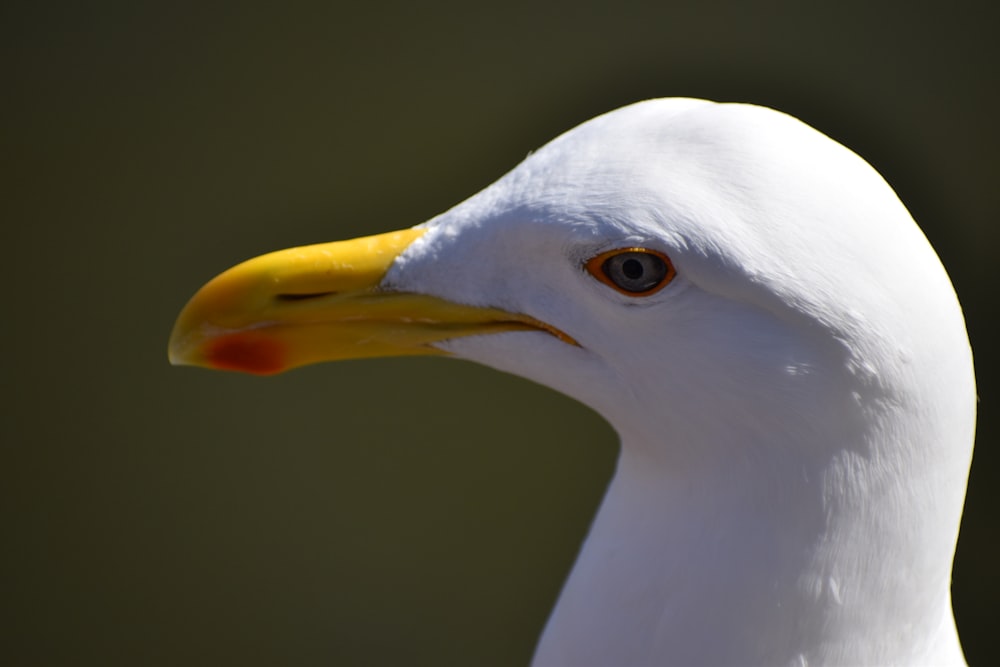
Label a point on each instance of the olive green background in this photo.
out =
(412, 511)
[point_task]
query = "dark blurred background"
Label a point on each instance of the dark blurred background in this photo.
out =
(414, 511)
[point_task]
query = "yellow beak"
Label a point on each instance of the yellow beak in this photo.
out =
(322, 303)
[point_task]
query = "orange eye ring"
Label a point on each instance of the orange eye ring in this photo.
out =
(632, 271)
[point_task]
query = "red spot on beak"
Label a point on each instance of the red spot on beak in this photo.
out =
(247, 352)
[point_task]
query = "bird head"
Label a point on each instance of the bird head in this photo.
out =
(682, 267)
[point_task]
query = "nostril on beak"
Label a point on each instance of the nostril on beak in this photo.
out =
(302, 297)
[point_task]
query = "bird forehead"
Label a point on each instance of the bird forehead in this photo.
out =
(741, 199)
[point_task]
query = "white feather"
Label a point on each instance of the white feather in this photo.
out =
(796, 408)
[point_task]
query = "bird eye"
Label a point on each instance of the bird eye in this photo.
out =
(633, 271)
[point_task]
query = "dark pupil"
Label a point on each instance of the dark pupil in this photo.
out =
(635, 272)
(632, 268)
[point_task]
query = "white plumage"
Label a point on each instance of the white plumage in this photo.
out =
(796, 407)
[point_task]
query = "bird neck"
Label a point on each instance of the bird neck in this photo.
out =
(718, 565)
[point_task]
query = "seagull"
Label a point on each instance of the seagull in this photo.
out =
(754, 311)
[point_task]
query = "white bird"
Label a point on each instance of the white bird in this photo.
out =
(753, 310)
